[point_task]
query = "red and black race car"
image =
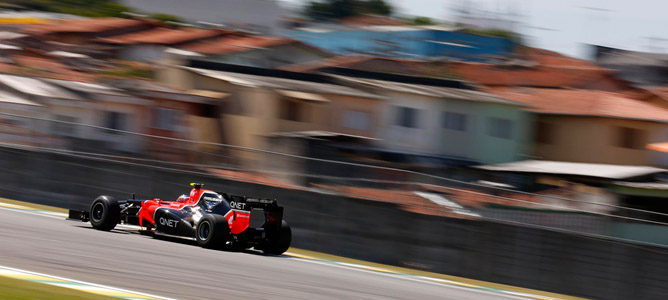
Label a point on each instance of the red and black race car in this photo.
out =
(213, 219)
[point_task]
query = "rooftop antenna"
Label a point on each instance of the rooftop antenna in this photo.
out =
(654, 44)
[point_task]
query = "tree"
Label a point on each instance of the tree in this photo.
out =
(87, 8)
(376, 7)
(421, 21)
(166, 18)
(339, 9)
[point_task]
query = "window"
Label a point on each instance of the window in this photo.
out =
(64, 129)
(544, 133)
(165, 118)
(406, 117)
(454, 121)
(293, 110)
(630, 138)
(357, 120)
(500, 128)
(235, 105)
(115, 120)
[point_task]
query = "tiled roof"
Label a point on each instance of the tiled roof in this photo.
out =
(163, 36)
(231, 44)
(43, 67)
(406, 200)
(551, 58)
(537, 76)
(583, 102)
(661, 92)
(86, 25)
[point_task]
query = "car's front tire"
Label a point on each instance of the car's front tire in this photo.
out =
(280, 241)
(105, 213)
(212, 231)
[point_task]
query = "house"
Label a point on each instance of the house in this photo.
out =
(540, 69)
(116, 117)
(176, 114)
(263, 102)
(256, 51)
(70, 102)
(19, 120)
(80, 30)
(443, 120)
(150, 45)
(607, 199)
(591, 126)
(640, 68)
(107, 107)
(415, 42)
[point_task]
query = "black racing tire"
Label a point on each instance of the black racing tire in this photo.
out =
(280, 241)
(212, 231)
(105, 213)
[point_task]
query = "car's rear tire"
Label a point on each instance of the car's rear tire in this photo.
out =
(280, 241)
(105, 213)
(212, 231)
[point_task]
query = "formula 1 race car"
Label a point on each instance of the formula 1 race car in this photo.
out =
(215, 220)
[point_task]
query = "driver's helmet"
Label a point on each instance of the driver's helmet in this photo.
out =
(183, 198)
(210, 200)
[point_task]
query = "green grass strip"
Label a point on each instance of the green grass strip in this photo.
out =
(17, 289)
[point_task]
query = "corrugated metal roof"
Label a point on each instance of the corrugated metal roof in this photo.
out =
(281, 83)
(302, 95)
(6, 97)
(86, 87)
(68, 54)
(644, 185)
(36, 87)
(428, 90)
(574, 169)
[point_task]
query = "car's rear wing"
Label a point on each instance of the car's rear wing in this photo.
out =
(246, 203)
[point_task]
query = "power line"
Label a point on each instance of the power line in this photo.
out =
(235, 147)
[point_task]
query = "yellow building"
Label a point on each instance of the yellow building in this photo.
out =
(592, 126)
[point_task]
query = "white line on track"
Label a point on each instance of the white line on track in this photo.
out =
(349, 266)
(422, 279)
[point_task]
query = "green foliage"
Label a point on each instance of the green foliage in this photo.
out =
(86, 8)
(130, 70)
(513, 36)
(376, 7)
(15, 289)
(339, 9)
(165, 18)
(421, 21)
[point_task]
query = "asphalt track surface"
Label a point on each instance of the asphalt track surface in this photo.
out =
(126, 259)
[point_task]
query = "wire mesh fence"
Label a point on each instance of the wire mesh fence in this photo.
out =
(319, 165)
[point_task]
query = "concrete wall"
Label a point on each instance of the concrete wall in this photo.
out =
(380, 232)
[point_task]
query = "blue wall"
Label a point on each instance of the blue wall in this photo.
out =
(407, 43)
